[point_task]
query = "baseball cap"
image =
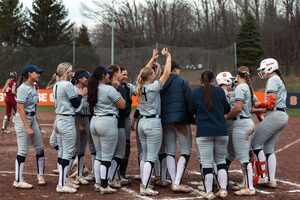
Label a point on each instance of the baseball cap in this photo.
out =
(31, 68)
(100, 71)
(12, 74)
(82, 74)
(174, 65)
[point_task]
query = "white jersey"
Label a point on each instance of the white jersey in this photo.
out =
(27, 95)
(275, 85)
(242, 93)
(63, 91)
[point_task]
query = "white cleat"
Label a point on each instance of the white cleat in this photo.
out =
(70, 183)
(107, 190)
(272, 184)
(125, 181)
(222, 193)
(181, 188)
(114, 184)
(41, 180)
(148, 191)
(263, 181)
(82, 180)
(245, 192)
(97, 187)
(208, 195)
(22, 185)
(90, 177)
(65, 189)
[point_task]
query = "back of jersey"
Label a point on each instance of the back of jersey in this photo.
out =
(63, 91)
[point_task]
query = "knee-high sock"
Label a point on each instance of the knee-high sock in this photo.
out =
(93, 158)
(5, 122)
(181, 166)
(148, 166)
(163, 166)
(208, 179)
(261, 162)
(248, 175)
(104, 173)
(63, 172)
(19, 167)
(157, 167)
(97, 171)
(271, 163)
(142, 163)
(80, 164)
(115, 164)
(40, 162)
(222, 176)
(171, 164)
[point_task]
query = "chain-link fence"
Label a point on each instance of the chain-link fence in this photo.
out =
(133, 59)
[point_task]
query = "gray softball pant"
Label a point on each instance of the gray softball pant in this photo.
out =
(121, 144)
(268, 131)
(66, 136)
(241, 138)
(82, 138)
(212, 150)
(230, 150)
(172, 134)
(150, 134)
(53, 139)
(22, 137)
(104, 131)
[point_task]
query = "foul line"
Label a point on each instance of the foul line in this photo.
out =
(287, 146)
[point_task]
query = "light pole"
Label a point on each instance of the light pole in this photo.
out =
(74, 46)
(113, 33)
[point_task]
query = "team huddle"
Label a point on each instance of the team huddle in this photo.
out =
(95, 110)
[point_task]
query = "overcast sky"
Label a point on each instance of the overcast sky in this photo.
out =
(73, 7)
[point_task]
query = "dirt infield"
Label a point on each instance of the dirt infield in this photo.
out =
(288, 171)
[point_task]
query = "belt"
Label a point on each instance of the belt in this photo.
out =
(279, 109)
(107, 115)
(30, 113)
(150, 116)
(67, 115)
(240, 117)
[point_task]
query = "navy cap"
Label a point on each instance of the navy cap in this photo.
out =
(100, 71)
(31, 68)
(174, 65)
(85, 74)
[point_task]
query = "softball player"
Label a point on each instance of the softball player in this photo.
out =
(224, 80)
(176, 120)
(66, 100)
(209, 104)
(10, 102)
(82, 116)
(104, 102)
(27, 128)
(243, 127)
(276, 118)
(149, 126)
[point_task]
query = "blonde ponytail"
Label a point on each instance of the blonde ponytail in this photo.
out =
(142, 77)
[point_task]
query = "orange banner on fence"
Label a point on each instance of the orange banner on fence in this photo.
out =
(46, 98)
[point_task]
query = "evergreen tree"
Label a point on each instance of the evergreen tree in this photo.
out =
(248, 44)
(83, 37)
(12, 23)
(48, 25)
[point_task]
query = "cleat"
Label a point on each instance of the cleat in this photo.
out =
(222, 193)
(209, 195)
(148, 191)
(137, 177)
(114, 184)
(263, 181)
(65, 189)
(181, 188)
(245, 192)
(55, 171)
(85, 171)
(97, 187)
(82, 180)
(107, 190)
(162, 183)
(41, 180)
(22, 185)
(125, 181)
(70, 183)
(272, 184)
(90, 177)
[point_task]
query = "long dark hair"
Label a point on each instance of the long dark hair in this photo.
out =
(280, 76)
(115, 69)
(206, 78)
(93, 82)
(244, 72)
(22, 79)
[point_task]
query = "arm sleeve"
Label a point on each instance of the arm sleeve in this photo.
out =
(272, 86)
(22, 95)
(76, 101)
(114, 95)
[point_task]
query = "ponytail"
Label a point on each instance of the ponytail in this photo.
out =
(52, 81)
(206, 78)
(92, 97)
(280, 76)
(243, 72)
(142, 77)
(22, 79)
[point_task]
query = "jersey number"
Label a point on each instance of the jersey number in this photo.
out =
(55, 92)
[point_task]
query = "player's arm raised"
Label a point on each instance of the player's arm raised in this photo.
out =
(167, 70)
